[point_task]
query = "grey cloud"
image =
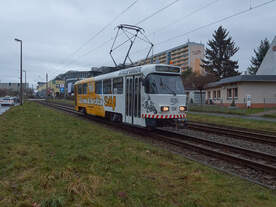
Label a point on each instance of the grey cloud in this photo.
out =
(52, 30)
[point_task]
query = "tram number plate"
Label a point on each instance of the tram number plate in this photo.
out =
(173, 108)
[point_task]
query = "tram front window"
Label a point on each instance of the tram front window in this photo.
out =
(164, 84)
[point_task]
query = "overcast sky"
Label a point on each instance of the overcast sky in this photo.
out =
(53, 30)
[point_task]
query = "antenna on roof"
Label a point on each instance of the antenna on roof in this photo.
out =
(131, 37)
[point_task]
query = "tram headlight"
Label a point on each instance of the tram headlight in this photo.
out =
(182, 108)
(165, 108)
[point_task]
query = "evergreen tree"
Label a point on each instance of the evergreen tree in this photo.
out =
(259, 56)
(217, 56)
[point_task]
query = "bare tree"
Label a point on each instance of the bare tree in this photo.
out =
(199, 82)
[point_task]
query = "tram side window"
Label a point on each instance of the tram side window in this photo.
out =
(91, 87)
(107, 86)
(79, 89)
(84, 88)
(98, 87)
(118, 85)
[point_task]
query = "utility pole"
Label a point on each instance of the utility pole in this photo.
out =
(25, 85)
(21, 87)
(46, 85)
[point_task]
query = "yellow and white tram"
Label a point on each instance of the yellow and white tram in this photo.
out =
(148, 96)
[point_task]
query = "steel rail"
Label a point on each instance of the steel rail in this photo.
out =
(221, 155)
(206, 147)
(247, 135)
(236, 133)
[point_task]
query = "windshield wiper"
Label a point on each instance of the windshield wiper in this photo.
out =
(154, 86)
(172, 91)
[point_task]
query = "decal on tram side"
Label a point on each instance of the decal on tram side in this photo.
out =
(110, 101)
(149, 105)
(96, 101)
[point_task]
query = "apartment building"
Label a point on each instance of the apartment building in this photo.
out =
(186, 56)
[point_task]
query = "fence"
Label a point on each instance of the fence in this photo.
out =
(240, 106)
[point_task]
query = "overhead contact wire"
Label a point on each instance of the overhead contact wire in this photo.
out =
(99, 32)
(215, 22)
(139, 22)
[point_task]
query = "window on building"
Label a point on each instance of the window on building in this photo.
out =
(118, 85)
(79, 89)
(236, 92)
(218, 94)
(98, 87)
(107, 86)
(232, 92)
(209, 95)
(214, 94)
(91, 87)
(229, 92)
(84, 88)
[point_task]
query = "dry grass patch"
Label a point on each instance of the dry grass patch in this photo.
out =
(85, 188)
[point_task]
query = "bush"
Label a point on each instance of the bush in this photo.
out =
(52, 202)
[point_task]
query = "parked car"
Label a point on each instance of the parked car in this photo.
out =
(7, 101)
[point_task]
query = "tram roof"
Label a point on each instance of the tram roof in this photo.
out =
(143, 69)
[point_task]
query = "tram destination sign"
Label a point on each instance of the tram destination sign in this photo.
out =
(130, 71)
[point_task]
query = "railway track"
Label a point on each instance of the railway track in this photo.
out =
(264, 163)
(252, 136)
(236, 133)
(250, 158)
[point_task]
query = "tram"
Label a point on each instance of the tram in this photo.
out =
(148, 96)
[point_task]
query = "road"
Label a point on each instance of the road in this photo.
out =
(3, 109)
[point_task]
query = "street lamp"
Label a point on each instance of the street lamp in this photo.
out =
(25, 85)
(21, 88)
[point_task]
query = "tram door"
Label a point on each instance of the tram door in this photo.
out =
(133, 100)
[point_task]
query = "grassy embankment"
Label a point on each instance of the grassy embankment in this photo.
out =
(227, 110)
(234, 122)
(54, 159)
(63, 101)
(273, 115)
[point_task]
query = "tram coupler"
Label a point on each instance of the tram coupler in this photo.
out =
(180, 123)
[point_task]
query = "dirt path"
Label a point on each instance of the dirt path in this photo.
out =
(264, 113)
(250, 117)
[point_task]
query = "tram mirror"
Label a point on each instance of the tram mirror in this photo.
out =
(145, 82)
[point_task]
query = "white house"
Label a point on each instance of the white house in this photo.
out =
(260, 90)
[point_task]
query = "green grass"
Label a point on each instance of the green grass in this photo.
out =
(63, 101)
(235, 122)
(273, 115)
(53, 159)
(227, 110)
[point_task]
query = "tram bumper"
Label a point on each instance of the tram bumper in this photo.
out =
(172, 120)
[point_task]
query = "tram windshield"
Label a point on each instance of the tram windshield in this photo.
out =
(164, 84)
